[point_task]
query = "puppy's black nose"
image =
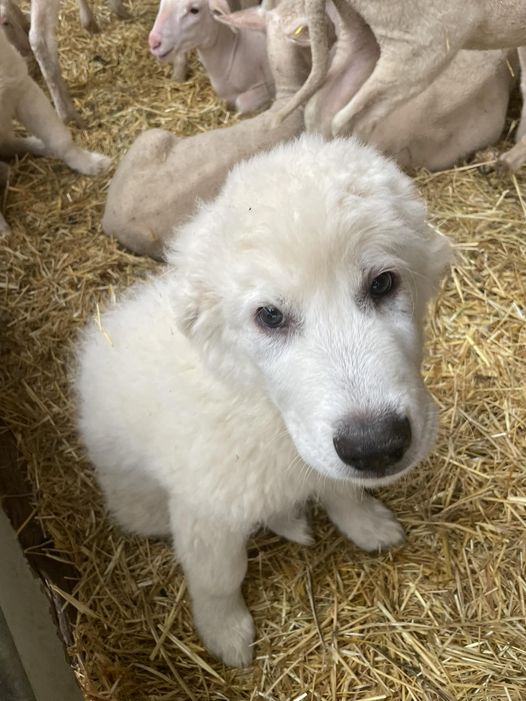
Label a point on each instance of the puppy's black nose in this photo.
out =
(372, 443)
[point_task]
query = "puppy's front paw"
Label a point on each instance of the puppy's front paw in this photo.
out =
(293, 527)
(376, 528)
(368, 523)
(228, 633)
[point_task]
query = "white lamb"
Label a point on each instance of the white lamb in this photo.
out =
(236, 60)
(276, 359)
(22, 98)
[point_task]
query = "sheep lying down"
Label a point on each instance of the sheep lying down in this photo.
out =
(160, 179)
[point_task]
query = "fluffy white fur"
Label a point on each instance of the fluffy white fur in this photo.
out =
(203, 425)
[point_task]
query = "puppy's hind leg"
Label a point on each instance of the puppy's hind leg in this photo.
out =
(214, 560)
(35, 112)
(362, 518)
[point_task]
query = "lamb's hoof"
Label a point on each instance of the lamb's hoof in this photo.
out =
(512, 160)
(486, 160)
(69, 115)
(502, 167)
(122, 13)
(91, 26)
(509, 162)
(88, 162)
(99, 164)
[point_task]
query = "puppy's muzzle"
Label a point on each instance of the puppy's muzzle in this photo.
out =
(373, 444)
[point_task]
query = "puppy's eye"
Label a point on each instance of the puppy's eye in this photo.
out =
(271, 317)
(194, 10)
(382, 285)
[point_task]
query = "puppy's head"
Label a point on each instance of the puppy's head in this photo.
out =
(309, 276)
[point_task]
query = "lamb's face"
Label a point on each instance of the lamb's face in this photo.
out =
(317, 292)
(181, 25)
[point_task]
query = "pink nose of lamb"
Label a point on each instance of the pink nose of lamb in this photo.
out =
(154, 41)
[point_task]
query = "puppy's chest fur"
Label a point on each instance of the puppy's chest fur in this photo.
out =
(239, 461)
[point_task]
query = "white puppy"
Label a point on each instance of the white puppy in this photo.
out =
(276, 359)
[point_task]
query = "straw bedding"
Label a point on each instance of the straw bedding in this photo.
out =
(442, 618)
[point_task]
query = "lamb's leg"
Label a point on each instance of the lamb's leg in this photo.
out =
(515, 157)
(319, 38)
(42, 37)
(355, 55)
(4, 179)
(35, 112)
(179, 66)
(253, 99)
(361, 518)
(87, 18)
(521, 130)
(20, 145)
(402, 72)
(117, 7)
(214, 561)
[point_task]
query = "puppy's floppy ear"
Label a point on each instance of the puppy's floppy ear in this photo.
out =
(199, 315)
(186, 308)
(196, 309)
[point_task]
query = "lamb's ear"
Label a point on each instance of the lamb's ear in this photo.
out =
(297, 31)
(252, 18)
(219, 8)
